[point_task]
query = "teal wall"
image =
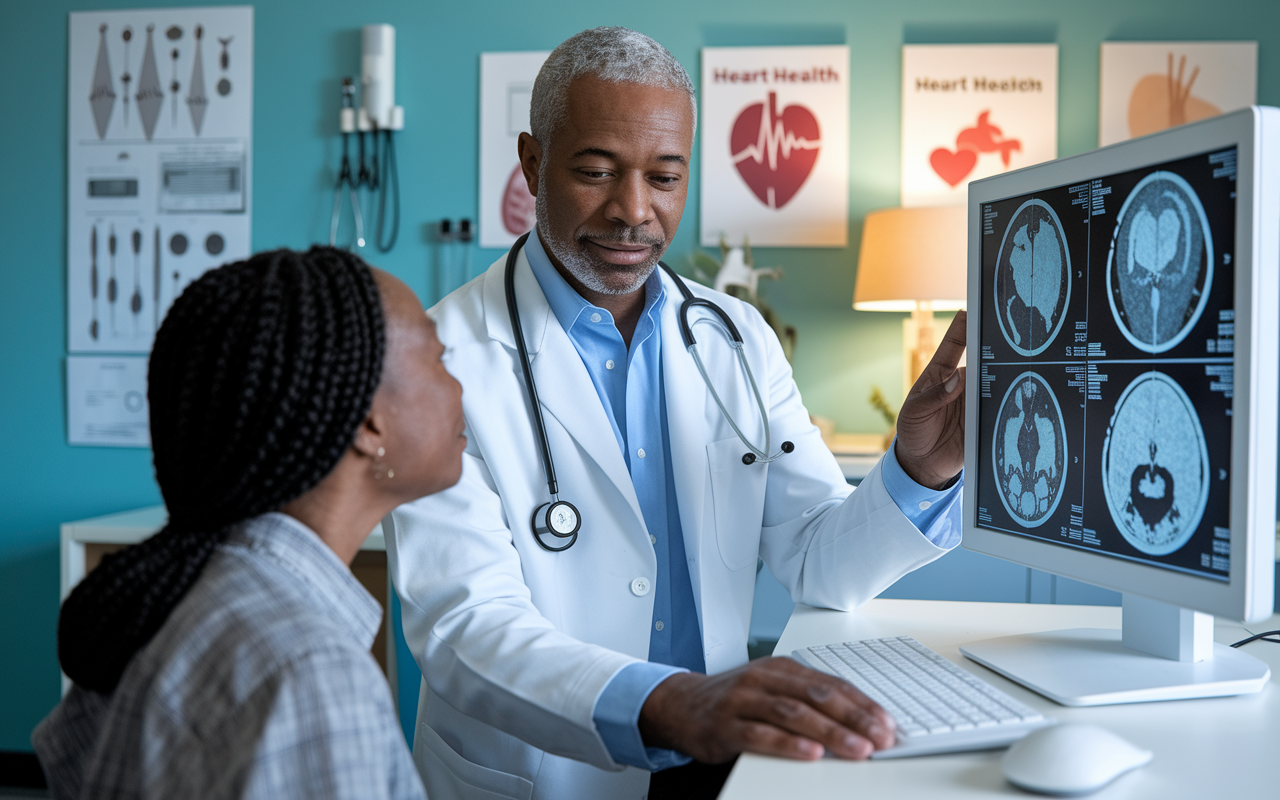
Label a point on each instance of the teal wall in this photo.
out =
(303, 49)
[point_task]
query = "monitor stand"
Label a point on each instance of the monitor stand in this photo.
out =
(1163, 652)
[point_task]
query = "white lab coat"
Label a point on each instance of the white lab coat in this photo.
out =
(517, 643)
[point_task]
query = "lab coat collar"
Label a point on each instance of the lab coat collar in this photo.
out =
(535, 312)
(562, 379)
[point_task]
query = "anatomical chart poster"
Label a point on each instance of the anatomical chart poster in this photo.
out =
(159, 163)
(1149, 86)
(506, 86)
(973, 111)
(775, 146)
(107, 401)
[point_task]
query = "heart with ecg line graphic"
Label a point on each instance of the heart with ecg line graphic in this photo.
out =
(775, 151)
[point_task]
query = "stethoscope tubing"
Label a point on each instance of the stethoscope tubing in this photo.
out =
(345, 181)
(754, 454)
(514, 312)
(721, 318)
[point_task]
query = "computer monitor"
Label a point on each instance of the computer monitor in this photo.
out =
(1121, 412)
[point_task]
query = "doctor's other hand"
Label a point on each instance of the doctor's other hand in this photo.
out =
(771, 706)
(930, 444)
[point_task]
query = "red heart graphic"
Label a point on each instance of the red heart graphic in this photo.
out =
(518, 206)
(775, 152)
(953, 167)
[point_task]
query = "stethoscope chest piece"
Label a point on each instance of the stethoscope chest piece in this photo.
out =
(559, 520)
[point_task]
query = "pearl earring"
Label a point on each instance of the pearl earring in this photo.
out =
(380, 469)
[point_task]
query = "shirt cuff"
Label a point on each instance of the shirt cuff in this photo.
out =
(617, 716)
(922, 506)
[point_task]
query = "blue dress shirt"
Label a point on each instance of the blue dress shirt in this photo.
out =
(626, 381)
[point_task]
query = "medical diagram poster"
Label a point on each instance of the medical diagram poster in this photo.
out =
(506, 88)
(159, 164)
(973, 111)
(107, 401)
(1146, 87)
(775, 146)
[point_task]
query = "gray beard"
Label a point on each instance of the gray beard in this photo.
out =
(583, 265)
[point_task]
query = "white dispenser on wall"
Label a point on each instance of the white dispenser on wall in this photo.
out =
(372, 183)
(378, 79)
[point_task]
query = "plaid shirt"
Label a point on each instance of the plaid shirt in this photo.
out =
(260, 684)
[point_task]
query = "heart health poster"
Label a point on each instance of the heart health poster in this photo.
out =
(973, 111)
(775, 146)
(1150, 86)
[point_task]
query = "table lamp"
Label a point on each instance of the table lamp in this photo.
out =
(913, 259)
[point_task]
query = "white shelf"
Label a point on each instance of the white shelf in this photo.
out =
(856, 453)
(131, 527)
(855, 468)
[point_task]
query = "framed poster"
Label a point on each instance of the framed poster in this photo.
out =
(775, 146)
(159, 163)
(1146, 87)
(506, 87)
(107, 401)
(973, 111)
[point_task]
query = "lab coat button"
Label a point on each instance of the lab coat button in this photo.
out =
(640, 587)
(653, 539)
(640, 452)
(595, 317)
(658, 625)
(608, 364)
(924, 505)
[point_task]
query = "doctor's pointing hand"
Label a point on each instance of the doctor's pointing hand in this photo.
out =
(579, 603)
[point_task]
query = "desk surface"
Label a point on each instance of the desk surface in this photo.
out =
(1213, 748)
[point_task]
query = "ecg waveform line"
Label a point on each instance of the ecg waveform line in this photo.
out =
(773, 137)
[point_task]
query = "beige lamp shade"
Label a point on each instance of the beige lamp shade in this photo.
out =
(911, 256)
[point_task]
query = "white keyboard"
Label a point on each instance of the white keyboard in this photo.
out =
(939, 707)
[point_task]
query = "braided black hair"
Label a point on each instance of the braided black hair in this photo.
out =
(259, 379)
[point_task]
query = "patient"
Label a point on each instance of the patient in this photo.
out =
(295, 399)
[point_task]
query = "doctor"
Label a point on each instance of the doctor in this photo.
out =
(581, 673)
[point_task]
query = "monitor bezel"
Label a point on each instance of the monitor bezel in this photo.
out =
(1248, 592)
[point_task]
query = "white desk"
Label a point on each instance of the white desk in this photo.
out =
(1204, 749)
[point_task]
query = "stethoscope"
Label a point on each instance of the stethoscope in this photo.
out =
(560, 518)
(346, 181)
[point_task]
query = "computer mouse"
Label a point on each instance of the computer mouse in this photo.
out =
(1070, 759)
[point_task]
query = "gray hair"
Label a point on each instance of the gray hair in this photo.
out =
(613, 55)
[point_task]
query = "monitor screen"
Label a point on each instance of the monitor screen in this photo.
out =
(1106, 349)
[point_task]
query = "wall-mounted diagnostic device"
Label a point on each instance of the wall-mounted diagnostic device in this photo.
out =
(377, 113)
(378, 80)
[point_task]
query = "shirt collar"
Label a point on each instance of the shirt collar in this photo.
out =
(297, 548)
(567, 305)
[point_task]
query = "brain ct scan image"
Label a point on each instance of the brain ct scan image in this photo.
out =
(1033, 278)
(1160, 267)
(1112, 300)
(1030, 450)
(1155, 465)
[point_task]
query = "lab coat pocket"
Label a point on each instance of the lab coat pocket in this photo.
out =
(447, 774)
(737, 496)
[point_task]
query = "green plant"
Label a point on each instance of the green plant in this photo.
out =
(881, 405)
(705, 269)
